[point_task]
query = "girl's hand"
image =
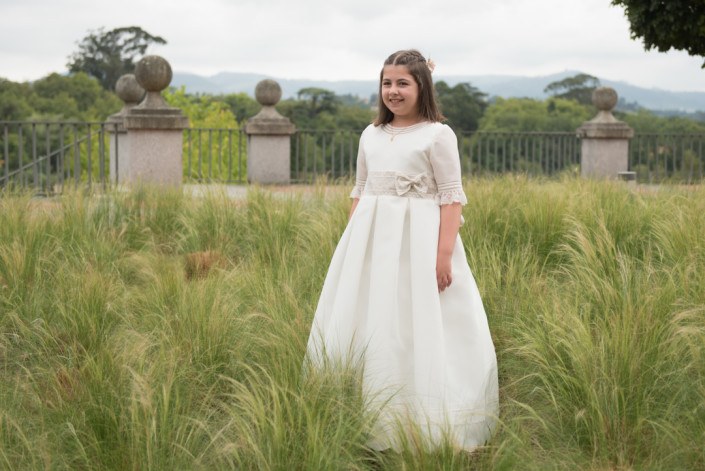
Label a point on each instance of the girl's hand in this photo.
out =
(444, 277)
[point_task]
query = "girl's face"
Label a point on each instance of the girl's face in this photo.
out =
(400, 93)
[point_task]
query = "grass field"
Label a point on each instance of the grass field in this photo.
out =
(152, 330)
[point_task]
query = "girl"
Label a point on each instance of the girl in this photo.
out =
(399, 295)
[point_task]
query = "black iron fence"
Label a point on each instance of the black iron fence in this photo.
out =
(334, 153)
(49, 155)
(668, 157)
(530, 153)
(215, 155)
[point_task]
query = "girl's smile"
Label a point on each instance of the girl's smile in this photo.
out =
(400, 93)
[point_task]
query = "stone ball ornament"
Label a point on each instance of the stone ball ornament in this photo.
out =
(128, 89)
(604, 98)
(268, 92)
(153, 73)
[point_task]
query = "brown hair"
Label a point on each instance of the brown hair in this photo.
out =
(418, 68)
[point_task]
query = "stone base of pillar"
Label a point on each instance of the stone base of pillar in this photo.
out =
(155, 157)
(604, 158)
(268, 159)
(119, 157)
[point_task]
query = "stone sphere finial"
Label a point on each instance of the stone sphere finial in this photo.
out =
(128, 90)
(604, 98)
(268, 92)
(153, 73)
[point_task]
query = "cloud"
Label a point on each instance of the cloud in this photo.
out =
(349, 39)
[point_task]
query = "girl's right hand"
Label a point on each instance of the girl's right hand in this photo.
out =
(444, 275)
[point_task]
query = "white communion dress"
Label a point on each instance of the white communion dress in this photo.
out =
(429, 364)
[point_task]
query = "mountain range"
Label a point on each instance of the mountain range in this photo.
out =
(506, 86)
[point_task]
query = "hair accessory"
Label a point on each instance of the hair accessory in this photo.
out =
(431, 65)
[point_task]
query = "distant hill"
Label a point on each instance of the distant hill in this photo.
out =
(494, 85)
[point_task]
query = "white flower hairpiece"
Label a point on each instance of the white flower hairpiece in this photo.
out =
(431, 65)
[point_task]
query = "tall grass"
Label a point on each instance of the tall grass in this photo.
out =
(152, 330)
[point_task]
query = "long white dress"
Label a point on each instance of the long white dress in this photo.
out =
(428, 358)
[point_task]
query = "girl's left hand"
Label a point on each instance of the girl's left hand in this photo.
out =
(444, 277)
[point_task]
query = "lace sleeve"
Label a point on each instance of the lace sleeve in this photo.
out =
(445, 161)
(361, 172)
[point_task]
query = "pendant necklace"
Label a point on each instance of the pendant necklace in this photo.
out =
(394, 132)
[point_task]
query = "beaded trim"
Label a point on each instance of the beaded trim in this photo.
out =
(394, 131)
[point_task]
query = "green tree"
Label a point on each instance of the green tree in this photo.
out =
(314, 108)
(462, 104)
(578, 88)
(665, 25)
(14, 100)
(526, 114)
(77, 96)
(242, 105)
(109, 55)
(644, 121)
(318, 100)
(321, 109)
(57, 97)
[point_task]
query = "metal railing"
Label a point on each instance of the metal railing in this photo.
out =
(667, 157)
(332, 154)
(49, 155)
(215, 155)
(530, 153)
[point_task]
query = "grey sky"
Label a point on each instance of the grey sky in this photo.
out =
(349, 39)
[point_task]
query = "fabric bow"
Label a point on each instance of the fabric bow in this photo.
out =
(406, 183)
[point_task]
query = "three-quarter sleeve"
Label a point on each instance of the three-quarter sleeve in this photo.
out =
(445, 161)
(361, 172)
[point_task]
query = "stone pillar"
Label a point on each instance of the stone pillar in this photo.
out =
(154, 129)
(269, 138)
(605, 139)
(129, 91)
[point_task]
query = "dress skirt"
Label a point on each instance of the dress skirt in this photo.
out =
(428, 360)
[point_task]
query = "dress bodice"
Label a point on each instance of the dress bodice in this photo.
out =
(416, 161)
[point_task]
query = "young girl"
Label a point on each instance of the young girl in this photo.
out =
(399, 295)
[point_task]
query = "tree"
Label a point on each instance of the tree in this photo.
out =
(318, 100)
(462, 104)
(577, 88)
(57, 97)
(14, 100)
(528, 115)
(74, 97)
(109, 55)
(241, 104)
(665, 25)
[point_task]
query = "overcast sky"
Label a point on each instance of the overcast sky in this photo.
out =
(349, 39)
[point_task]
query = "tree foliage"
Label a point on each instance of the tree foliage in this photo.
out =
(107, 55)
(462, 104)
(665, 25)
(57, 97)
(318, 108)
(644, 121)
(526, 114)
(242, 105)
(577, 88)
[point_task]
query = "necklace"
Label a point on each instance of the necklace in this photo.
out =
(394, 131)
